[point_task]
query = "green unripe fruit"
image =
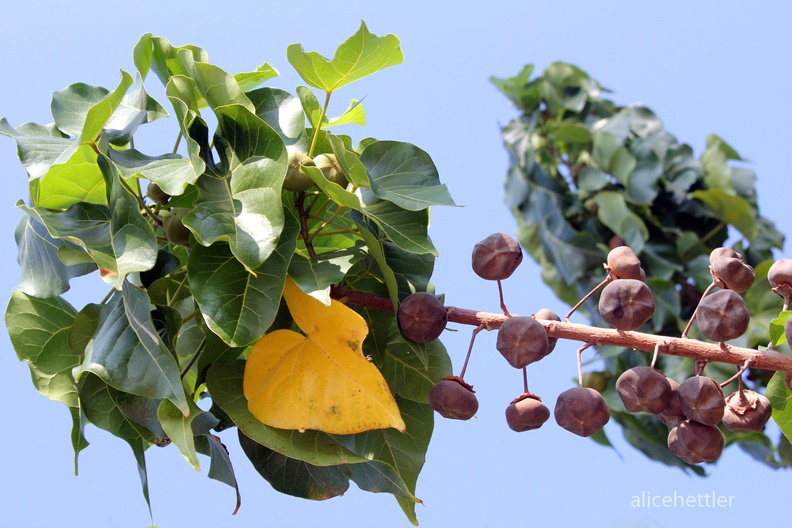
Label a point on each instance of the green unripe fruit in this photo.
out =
(296, 180)
(175, 230)
(157, 194)
(328, 164)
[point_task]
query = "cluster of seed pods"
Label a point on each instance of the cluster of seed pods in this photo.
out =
(692, 410)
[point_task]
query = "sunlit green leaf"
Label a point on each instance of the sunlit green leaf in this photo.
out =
(731, 209)
(405, 175)
(361, 55)
(180, 428)
(38, 147)
(315, 275)
(613, 212)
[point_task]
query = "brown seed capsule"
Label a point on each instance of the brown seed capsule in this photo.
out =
(694, 442)
(626, 304)
(581, 411)
(522, 341)
(548, 315)
(643, 389)
(780, 272)
(701, 399)
(748, 411)
(496, 257)
(422, 317)
(453, 398)
(526, 412)
(624, 264)
(723, 252)
(672, 414)
(733, 273)
(722, 316)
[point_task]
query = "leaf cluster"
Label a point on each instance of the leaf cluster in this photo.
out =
(185, 308)
(587, 174)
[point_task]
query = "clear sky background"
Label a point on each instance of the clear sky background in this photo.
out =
(703, 67)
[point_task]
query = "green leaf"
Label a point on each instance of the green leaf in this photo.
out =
(313, 111)
(43, 272)
(180, 428)
(375, 245)
(613, 212)
(77, 179)
(39, 332)
(127, 353)
(781, 398)
(70, 106)
(404, 452)
(514, 87)
(411, 369)
(217, 87)
(283, 112)
(570, 132)
(171, 172)
(316, 448)
(102, 406)
(182, 94)
(730, 209)
(405, 175)
(78, 434)
(314, 275)
(242, 208)
(361, 55)
(100, 113)
(135, 109)
(220, 467)
(239, 305)
(38, 147)
(250, 80)
(353, 168)
(777, 328)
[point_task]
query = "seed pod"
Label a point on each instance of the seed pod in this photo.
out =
(733, 273)
(780, 273)
(581, 411)
(453, 398)
(624, 264)
(157, 194)
(626, 304)
(643, 389)
(694, 442)
(701, 399)
(548, 315)
(526, 412)
(296, 180)
(175, 230)
(422, 317)
(748, 411)
(331, 170)
(722, 316)
(496, 257)
(672, 414)
(722, 253)
(522, 341)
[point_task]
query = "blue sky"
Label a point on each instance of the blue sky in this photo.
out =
(703, 67)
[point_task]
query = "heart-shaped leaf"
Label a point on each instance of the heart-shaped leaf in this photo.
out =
(319, 380)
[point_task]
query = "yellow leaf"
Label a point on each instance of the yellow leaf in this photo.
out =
(319, 380)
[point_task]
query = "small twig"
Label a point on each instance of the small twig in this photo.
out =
(193, 358)
(608, 278)
(693, 317)
(748, 363)
(470, 349)
(580, 363)
(306, 236)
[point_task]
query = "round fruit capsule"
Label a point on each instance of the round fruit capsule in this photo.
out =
(643, 389)
(526, 413)
(452, 398)
(496, 257)
(422, 317)
(695, 442)
(701, 399)
(746, 411)
(175, 230)
(581, 411)
(626, 304)
(733, 273)
(722, 316)
(331, 170)
(522, 340)
(296, 180)
(624, 264)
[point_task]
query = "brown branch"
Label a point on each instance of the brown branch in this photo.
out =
(675, 346)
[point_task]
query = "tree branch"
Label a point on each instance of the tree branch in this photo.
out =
(675, 346)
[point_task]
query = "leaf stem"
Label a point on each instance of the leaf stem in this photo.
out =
(178, 141)
(318, 126)
(306, 236)
(193, 358)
